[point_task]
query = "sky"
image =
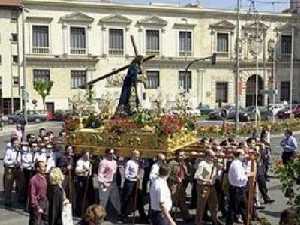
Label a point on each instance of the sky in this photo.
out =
(261, 5)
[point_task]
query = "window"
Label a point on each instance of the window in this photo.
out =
(42, 75)
(14, 16)
(15, 59)
(285, 91)
(78, 40)
(152, 41)
(16, 81)
(152, 80)
(14, 37)
(185, 80)
(40, 39)
(222, 43)
(222, 92)
(116, 42)
(286, 45)
(78, 78)
(185, 43)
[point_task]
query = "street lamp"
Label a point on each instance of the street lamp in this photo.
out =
(272, 50)
(185, 55)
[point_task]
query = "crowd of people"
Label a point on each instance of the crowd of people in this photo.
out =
(47, 175)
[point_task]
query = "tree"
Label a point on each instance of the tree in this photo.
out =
(43, 88)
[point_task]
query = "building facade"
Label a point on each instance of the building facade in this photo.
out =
(9, 56)
(72, 42)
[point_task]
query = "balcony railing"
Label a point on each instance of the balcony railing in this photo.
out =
(185, 53)
(116, 52)
(78, 51)
(152, 52)
(40, 50)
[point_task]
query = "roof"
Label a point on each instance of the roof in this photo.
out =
(11, 3)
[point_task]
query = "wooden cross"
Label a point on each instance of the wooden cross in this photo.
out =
(90, 84)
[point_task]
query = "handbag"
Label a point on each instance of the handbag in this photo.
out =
(67, 217)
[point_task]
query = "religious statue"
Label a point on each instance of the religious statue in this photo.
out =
(129, 83)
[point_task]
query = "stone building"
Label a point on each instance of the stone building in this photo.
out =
(72, 42)
(9, 55)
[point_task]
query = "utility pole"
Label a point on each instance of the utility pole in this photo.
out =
(292, 73)
(24, 91)
(237, 69)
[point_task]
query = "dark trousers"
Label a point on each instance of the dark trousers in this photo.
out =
(81, 195)
(287, 157)
(9, 179)
(35, 218)
(237, 204)
(157, 218)
(262, 186)
(130, 194)
(194, 194)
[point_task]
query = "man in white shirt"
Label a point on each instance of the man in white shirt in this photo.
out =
(83, 170)
(132, 175)
(155, 167)
(206, 175)
(238, 179)
(11, 163)
(160, 199)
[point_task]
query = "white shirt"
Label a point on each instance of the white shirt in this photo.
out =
(206, 171)
(51, 163)
(237, 174)
(154, 172)
(27, 161)
(11, 158)
(160, 194)
(83, 167)
(40, 157)
(131, 170)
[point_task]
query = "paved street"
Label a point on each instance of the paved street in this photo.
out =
(19, 217)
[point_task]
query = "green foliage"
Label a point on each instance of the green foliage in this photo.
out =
(43, 88)
(92, 121)
(143, 118)
(289, 177)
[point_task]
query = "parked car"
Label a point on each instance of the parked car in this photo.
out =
(275, 108)
(205, 110)
(285, 113)
(229, 113)
(264, 112)
(32, 116)
(190, 111)
(60, 115)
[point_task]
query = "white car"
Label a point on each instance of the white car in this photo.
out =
(276, 108)
(190, 111)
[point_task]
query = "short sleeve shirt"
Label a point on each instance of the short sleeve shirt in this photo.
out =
(160, 194)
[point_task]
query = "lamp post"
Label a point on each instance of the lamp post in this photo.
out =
(272, 50)
(24, 93)
(185, 57)
(237, 69)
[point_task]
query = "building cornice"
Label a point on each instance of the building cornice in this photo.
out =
(36, 19)
(77, 17)
(61, 60)
(115, 19)
(152, 21)
(192, 11)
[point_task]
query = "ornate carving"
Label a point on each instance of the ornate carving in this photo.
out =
(115, 19)
(153, 21)
(222, 25)
(77, 17)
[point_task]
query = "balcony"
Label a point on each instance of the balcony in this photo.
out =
(40, 50)
(78, 51)
(116, 52)
(152, 52)
(185, 53)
